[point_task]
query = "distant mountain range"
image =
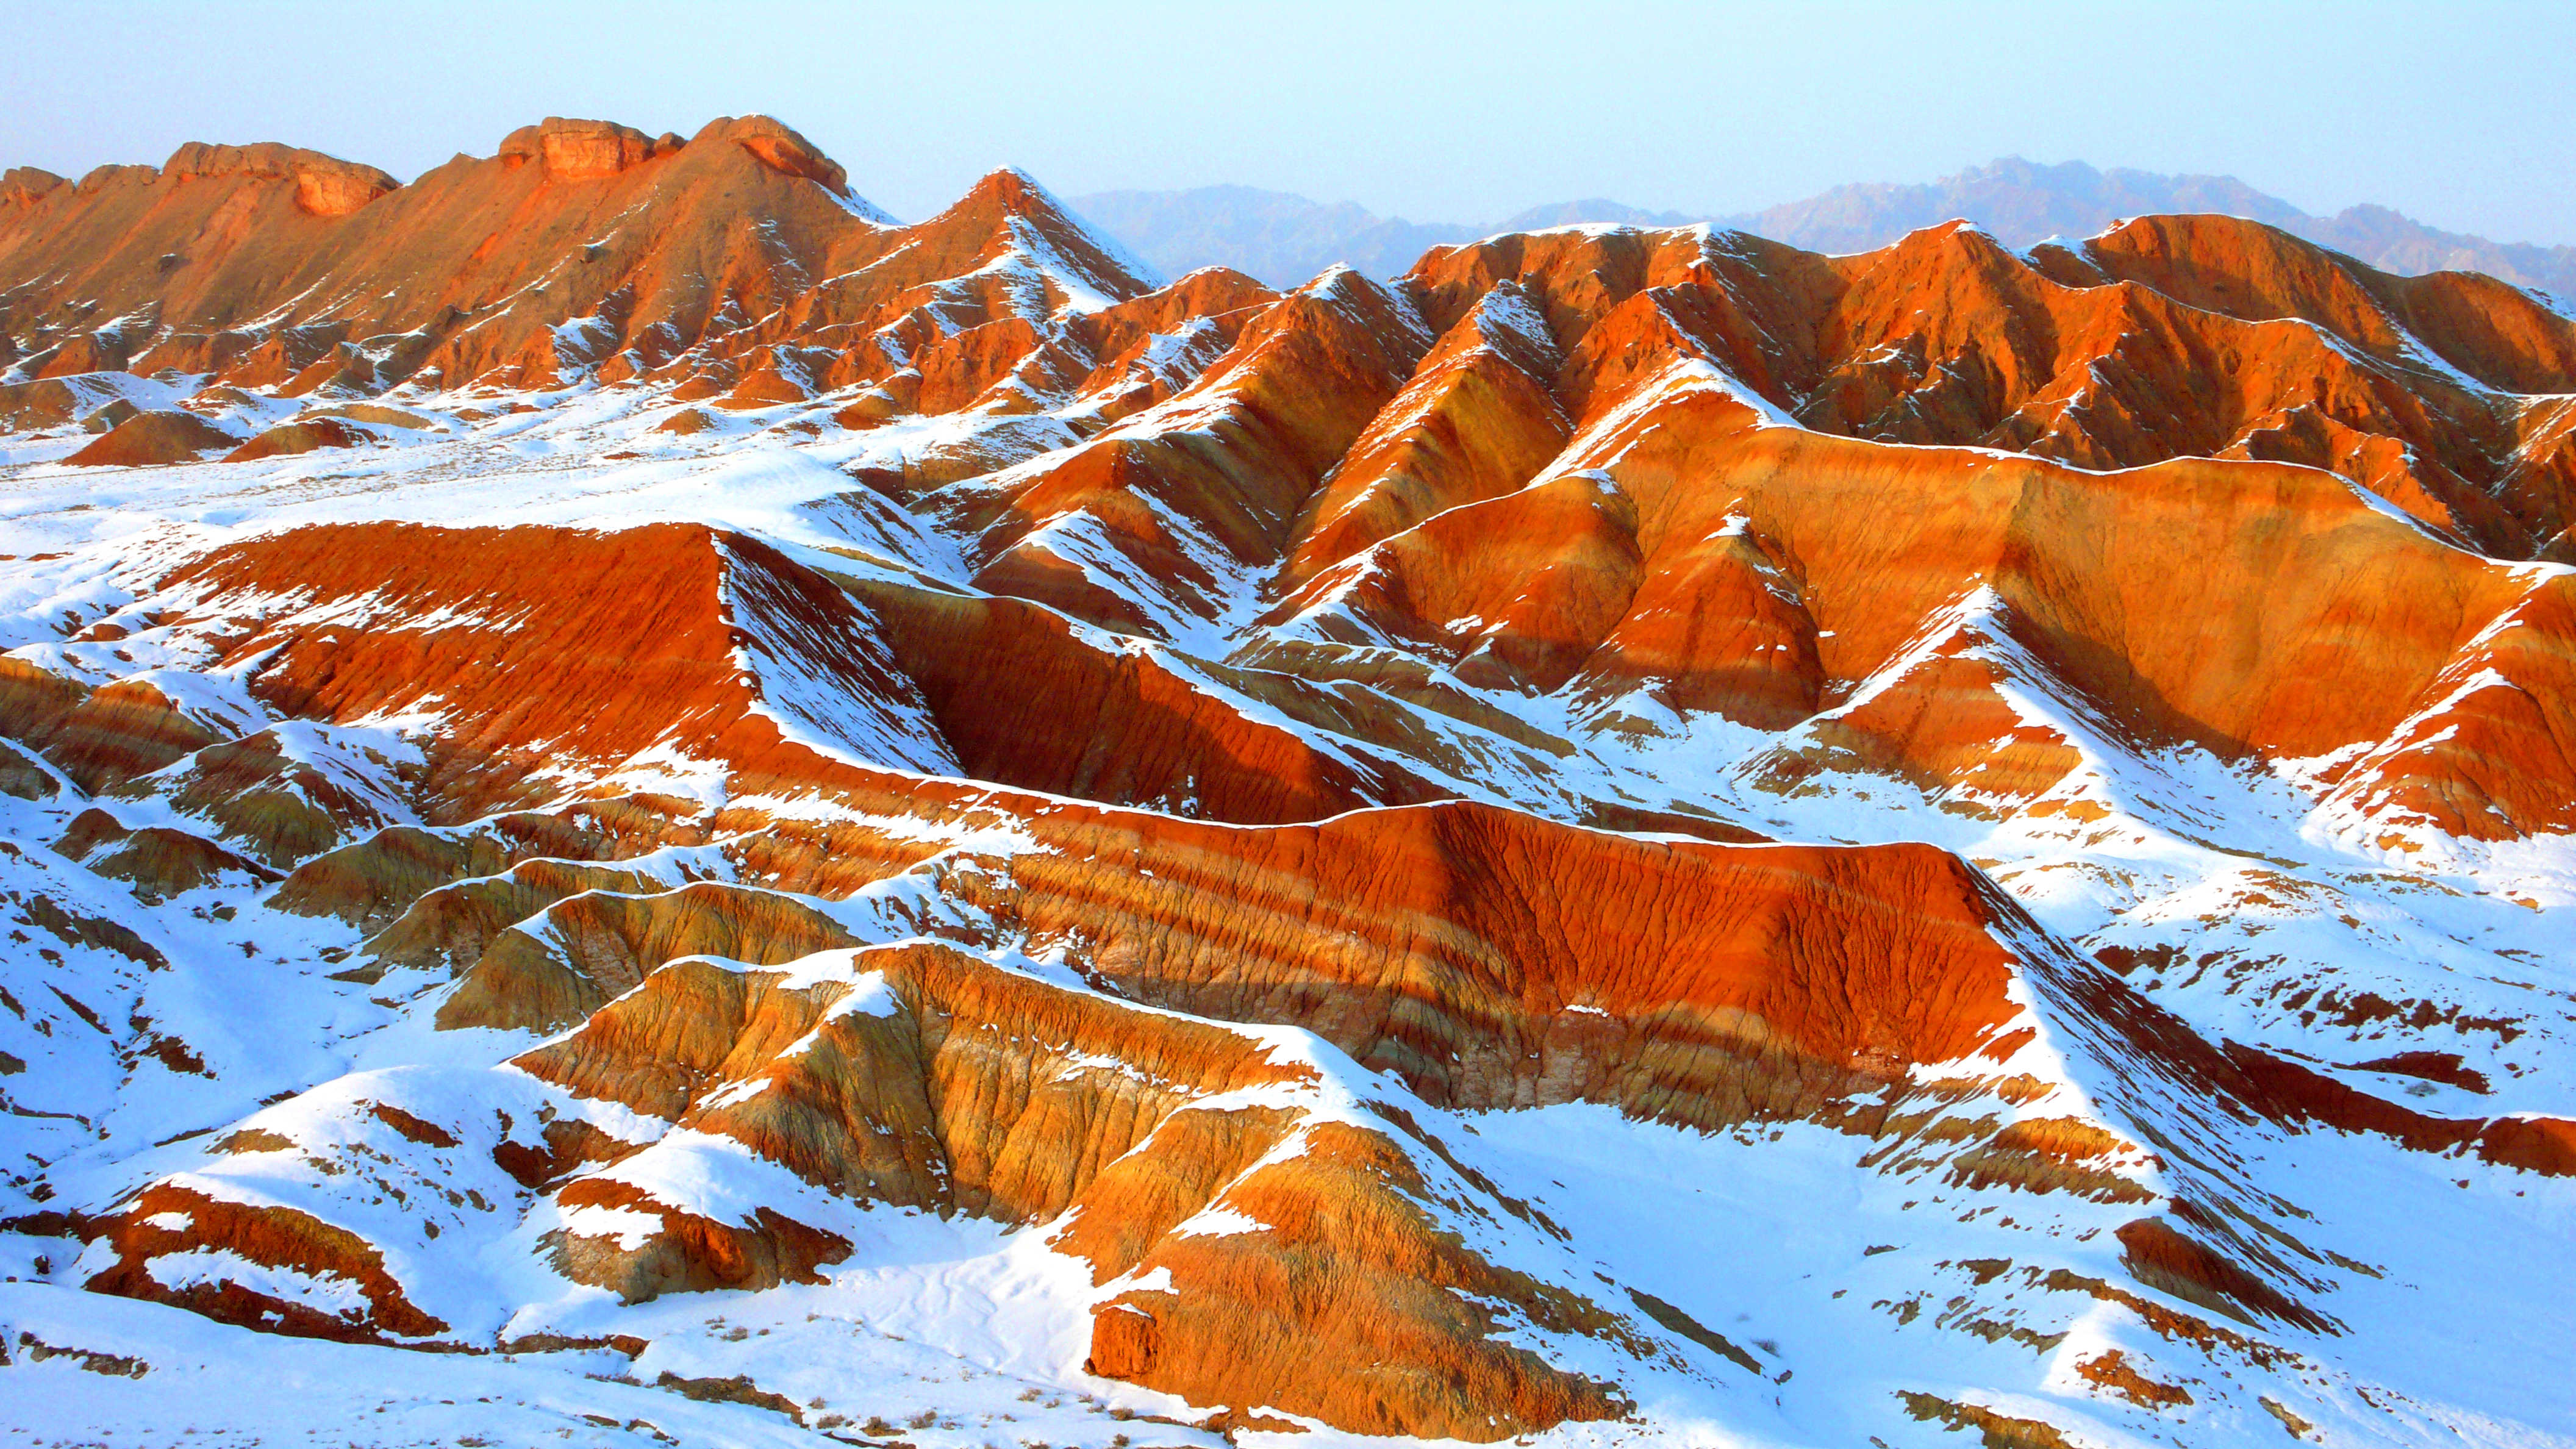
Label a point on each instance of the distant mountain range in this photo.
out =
(1277, 236)
(1284, 239)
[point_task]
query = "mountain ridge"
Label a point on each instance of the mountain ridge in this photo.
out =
(637, 803)
(2020, 201)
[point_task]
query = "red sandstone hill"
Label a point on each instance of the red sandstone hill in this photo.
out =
(1638, 828)
(581, 248)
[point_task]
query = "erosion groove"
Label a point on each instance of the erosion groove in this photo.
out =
(655, 785)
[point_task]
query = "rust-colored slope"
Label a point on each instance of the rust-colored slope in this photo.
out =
(1491, 959)
(1114, 361)
(153, 439)
(1023, 698)
(2269, 349)
(1208, 483)
(937, 314)
(2494, 332)
(537, 666)
(903, 1104)
(1943, 716)
(1481, 956)
(171, 1218)
(581, 248)
(541, 649)
(1764, 297)
(2168, 337)
(216, 263)
(1719, 628)
(586, 247)
(1517, 608)
(1264, 1317)
(1475, 422)
(595, 945)
(1484, 958)
(278, 808)
(936, 1081)
(1555, 463)
(103, 737)
(1143, 352)
(2490, 744)
(529, 677)
(2243, 607)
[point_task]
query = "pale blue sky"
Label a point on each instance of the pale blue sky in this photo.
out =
(2459, 113)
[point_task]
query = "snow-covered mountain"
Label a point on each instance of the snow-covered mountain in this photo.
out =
(639, 804)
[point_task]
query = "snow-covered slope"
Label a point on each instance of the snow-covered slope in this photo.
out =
(1639, 837)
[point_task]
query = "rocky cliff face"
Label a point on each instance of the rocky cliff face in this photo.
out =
(621, 768)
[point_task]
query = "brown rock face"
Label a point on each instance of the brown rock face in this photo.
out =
(1479, 954)
(1230, 461)
(324, 185)
(158, 861)
(168, 1219)
(44, 403)
(664, 603)
(462, 276)
(2154, 596)
(577, 150)
(959, 1087)
(1475, 422)
(1438, 943)
(2167, 337)
(1179, 749)
(301, 436)
(24, 185)
(778, 147)
(1164, 771)
(102, 738)
(154, 439)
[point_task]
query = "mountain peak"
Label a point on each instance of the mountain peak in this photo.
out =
(930, 788)
(1019, 203)
(781, 147)
(23, 184)
(584, 150)
(577, 150)
(324, 185)
(1014, 190)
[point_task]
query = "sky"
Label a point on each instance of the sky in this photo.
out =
(2457, 113)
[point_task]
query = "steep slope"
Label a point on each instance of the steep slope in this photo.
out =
(582, 248)
(2168, 337)
(1157, 524)
(635, 802)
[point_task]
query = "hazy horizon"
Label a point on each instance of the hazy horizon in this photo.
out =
(1440, 113)
(1540, 204)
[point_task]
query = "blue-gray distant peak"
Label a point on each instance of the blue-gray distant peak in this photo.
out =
(1283, 238)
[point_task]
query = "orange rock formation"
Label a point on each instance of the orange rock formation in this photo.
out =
(1276, 665)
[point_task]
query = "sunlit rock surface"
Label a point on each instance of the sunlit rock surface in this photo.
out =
(641, 803)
